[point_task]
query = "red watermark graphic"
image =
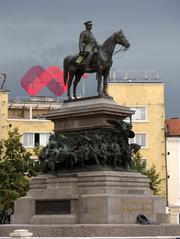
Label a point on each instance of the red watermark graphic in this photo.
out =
(37, 78)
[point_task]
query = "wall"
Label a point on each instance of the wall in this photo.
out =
(173, 171)
(32, 126)
(11, 114)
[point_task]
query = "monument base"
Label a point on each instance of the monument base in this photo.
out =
(100, 230)
(98, 197)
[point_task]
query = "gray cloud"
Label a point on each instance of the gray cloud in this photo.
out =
(45, 31)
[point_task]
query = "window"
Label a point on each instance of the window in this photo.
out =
(33, 139)
(140, 138)
(36, 139)
(28, 139)
(140, 113)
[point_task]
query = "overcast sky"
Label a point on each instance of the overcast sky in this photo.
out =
(43, 32)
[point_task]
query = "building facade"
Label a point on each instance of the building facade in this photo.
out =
(173, 167)
(146, 97)
(27, 116)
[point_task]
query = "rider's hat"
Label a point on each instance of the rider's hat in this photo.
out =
(88, 23)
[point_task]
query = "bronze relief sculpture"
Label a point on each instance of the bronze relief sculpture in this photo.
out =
(98, 149)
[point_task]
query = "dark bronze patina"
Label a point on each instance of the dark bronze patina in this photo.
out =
(95, 149)
(88, 45)
(92, 59)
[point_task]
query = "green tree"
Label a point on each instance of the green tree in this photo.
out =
(37, 150)
(155, 179)
(138, 164)
(141, 166)
(16, 168)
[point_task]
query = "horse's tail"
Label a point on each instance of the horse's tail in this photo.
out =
(66, 73)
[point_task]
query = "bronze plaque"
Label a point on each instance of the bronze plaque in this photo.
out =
(44, 207)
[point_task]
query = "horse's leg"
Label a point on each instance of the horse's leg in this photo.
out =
(71, 76)
(105, 81)
(99, 80)
(78, 76)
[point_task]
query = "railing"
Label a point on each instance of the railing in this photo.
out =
(133, 76)
(33, 99)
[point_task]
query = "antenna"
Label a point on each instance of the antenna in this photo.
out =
(3, 80)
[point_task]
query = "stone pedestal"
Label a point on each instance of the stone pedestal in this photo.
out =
(101, 197)
(89, 113)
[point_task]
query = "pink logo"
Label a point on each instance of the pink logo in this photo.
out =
(37, 78)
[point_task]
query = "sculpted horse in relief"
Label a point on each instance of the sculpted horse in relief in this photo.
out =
(101, 64)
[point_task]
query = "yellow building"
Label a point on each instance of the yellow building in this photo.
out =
(146, 97)
(3, 113)
(26, 115)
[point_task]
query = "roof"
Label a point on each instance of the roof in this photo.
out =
(173, 127)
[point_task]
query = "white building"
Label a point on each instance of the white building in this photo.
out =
(173, 167)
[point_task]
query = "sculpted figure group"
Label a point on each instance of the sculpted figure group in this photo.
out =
(94, 150)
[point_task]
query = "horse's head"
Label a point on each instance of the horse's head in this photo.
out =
(121, 39)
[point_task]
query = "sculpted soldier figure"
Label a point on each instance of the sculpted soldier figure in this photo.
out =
(87, 44)
(116, 151)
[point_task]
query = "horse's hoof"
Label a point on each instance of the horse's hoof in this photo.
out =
(101, 95)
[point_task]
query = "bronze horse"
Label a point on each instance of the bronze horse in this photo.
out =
(101, 64)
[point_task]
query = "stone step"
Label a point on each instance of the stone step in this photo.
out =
(101, 230)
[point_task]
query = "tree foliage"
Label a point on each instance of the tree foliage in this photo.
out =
(141, 166)
(155, 179)
(16, 168)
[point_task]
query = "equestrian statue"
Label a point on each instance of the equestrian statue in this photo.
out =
(92, 58)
